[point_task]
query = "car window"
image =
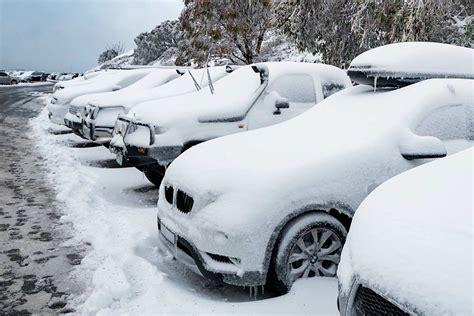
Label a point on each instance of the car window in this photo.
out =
(448, 122)
(329, 88)
(2, 74)
(295, 88)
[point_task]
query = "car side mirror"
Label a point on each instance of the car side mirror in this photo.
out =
(280, 103)
(422, 147)
(116, 88)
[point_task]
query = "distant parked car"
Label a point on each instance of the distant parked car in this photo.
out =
(274, 205)
(7, 79)
(154, 133)
(409, 251)
(75, 118)
(113, 81)
(106, 109)
(31, 76)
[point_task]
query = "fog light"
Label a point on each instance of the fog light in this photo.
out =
(141, 150)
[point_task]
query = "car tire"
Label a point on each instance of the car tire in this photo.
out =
(154, 176)
(320, 257)
(13, 82)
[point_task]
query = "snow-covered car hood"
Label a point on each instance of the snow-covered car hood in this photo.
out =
(232, 97)
(420, 59)
(154, 79)
(103, 83)
(180, 85)
(352, 127)
(412, 238)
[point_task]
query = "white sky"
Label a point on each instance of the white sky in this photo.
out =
(69, 35)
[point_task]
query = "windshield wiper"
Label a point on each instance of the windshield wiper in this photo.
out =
(196, 84)
(209, 79)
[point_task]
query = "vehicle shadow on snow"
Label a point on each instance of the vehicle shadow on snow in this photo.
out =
(147, 195)
(105, 163)
(152, 251)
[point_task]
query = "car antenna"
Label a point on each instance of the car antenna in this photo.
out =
(196, 84)
(209, 79)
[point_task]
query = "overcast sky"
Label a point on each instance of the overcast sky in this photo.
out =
(69, 35)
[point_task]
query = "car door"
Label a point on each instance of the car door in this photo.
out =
(4, 78)
(453, 124)
(297, 91)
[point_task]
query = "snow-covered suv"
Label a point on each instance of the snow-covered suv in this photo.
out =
(75, 117)
(111, 81)
(409, 250)
(275, 204)
(101, 114)
(153, 134)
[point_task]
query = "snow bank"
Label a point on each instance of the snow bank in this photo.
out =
(412, 238)
(127, 273)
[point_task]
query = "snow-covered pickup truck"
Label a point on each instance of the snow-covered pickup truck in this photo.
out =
(112, 81)
(98, 121)
(153, 134)
(274, 205)
(74, 118)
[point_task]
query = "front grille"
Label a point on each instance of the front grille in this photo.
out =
(219, 258)
(169, 191)
(73, 110)
(184, 202)
(367, 303)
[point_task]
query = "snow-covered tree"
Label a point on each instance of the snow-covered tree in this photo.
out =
(111, 52)
(227, 29)
(152, 45)
(341, 29)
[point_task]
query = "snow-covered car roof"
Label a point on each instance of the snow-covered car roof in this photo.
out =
(412, 238)
(347, 126)
(400, 64)
(233, 95)
(102, 83)
(180, 85)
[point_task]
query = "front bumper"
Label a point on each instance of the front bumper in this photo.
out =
(98, 134)
(134, 156)
(57, 112)
(210, 266)
(74, 122)
(361, 299)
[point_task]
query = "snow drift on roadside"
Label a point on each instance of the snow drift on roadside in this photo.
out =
(126, 271)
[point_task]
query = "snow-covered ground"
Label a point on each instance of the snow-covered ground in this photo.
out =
(127, 272)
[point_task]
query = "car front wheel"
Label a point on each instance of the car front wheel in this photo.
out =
(14, 82)
(154, 177)
(310, 246)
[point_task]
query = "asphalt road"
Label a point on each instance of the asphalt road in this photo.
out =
(35, 266)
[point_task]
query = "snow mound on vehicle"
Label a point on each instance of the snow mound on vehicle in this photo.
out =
(412, 61)
(412, 238)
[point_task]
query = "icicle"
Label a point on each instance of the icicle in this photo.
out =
(263, 289)
(255, 290)
(375, 83)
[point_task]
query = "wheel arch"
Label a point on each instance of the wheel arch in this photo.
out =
(343, 213)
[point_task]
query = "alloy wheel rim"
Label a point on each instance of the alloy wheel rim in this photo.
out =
(316, 253)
